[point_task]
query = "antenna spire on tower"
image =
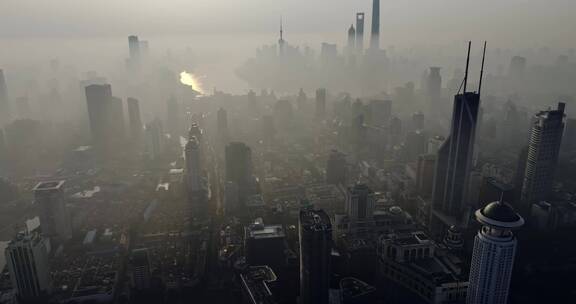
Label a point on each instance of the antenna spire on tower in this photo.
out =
(482, 69)
(467, 63)
(281, 32)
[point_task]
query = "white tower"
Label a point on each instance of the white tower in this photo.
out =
(493, 256)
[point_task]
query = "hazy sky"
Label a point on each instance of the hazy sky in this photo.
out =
(528, 22)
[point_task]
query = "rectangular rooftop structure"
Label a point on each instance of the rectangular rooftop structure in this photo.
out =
(49, 185)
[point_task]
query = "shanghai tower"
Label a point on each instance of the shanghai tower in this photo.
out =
(375, 33)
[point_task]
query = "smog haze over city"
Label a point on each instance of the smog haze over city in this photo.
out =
(288, 152)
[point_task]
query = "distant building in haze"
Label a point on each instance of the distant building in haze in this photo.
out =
(336, 168)
(434, 88)
(359, 33)
(493, 254)
(4, 102)
(360, 202)
(320, 103)
(239, 168)
(375, 33)
(315, 235)
(106, 118)
(135, 120)
(55, 220)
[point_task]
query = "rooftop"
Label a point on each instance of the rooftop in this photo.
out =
(499, 214)
(49, 185)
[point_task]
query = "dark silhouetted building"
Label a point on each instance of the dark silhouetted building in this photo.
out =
(434, 88)
(265, 245)
(375, 34)
(239, 168)
(380, 112)
(54, 216)
(425, 174)
(101, 106)
(135, 121)
(315, 234)
(453, 165)
(141, 272)
(336, 168)
(360, 202)
(222, 126)
(320, 103)
(359, 33)
(4, 102)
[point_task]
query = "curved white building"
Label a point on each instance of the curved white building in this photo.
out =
(493, 256)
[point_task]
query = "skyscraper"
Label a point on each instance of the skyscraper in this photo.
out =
(315, 235)
(135, 120)
(360, 202)
(222, 126)
(320, 103)
(543, 150)
(454, 161)
(4, 102)
(493, 254)
(173, 118)
(54, 217)
(359, 33)
(336, 168)
(351, 45)
(193, 165)
(141, 274)
(134, 47)
(375, 34)
(154, 139)
(434, 88)
(239, 168)
(28, 265)
(380, 112)
(281, 42)
(99, 105)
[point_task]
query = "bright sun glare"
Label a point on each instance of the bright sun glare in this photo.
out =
(191, 80)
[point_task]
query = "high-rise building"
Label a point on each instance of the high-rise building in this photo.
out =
(315, 235)
(418, 121)
(336, 168)
(54, 216)
(281, 42)
(351, 45)
(359, 33)
(265, 245)
(543, 150)
(569, 142)
(28, 265)
(434, 87)
(193, 165)
(135, 121)
(415, 144)
(117, 121)
(360, 202)
(380, 112)
(141, 274)
(100, 107)
(493, 254)
(425, 174)
(375, 34)
(320, 103)
(434, 144)
(4, 102)
(239, 168)
(154, 139)
(172, 118)
(222, 126)
(454, 161)
(134, 47)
